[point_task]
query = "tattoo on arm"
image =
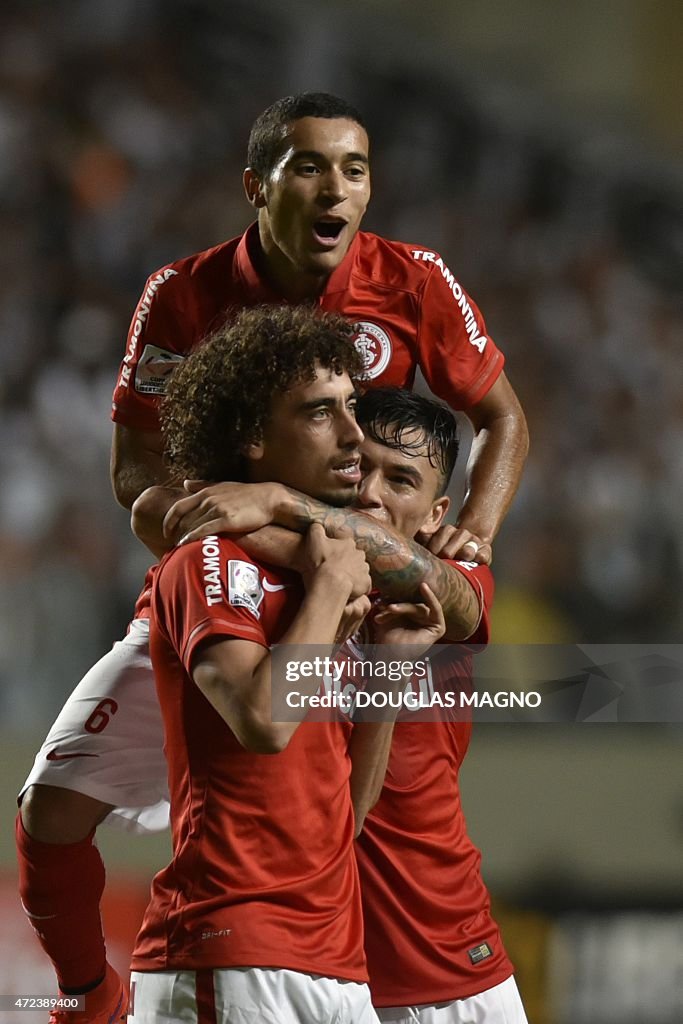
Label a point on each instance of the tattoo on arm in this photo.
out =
(398, 566)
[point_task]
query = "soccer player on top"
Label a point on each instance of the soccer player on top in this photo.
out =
(308, 182)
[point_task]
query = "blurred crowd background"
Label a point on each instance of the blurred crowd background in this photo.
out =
(123, 128)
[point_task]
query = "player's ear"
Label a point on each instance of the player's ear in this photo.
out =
(436, 516)
(253, 187)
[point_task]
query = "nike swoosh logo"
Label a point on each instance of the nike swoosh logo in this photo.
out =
(54, 756)
(272, 587)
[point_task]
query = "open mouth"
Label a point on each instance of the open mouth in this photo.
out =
(327, 231)
(349, 470)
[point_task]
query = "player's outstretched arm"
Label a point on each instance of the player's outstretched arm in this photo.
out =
(147, 517)
(235, 674)
(140, 482)
(137, 462)
(398, 566)
(221, 508)
(494, 468)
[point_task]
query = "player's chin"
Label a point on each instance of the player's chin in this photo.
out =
(340, 495)
(328, 261)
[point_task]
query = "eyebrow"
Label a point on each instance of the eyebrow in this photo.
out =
(401, 467)
(315, 403)
(313, 154)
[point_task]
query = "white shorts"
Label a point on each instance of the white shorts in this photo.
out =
(501, 1004)
(246, 995)
(107, 741)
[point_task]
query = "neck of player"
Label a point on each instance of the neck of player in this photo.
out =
(284, 277)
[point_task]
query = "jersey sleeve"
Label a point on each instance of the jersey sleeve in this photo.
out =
(481, 578)
(459, 360)
(205, 590)
(157, 341)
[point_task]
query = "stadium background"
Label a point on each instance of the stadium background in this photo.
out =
(538, 146)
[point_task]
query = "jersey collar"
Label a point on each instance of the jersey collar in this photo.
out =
(261, 291)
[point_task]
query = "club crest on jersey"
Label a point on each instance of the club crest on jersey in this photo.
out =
(154, 369)
(374, 345)
(244, 586)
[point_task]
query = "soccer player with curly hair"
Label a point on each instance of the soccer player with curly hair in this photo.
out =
(308, 183)
(260, 905)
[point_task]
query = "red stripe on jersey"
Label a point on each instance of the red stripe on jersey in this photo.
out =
(206, 999)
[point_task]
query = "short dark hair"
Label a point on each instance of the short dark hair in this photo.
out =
(219, 398)
(270, 128)
(408, 423)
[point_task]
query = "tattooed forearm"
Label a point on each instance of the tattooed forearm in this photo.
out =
(459, 600)
(398, 566)
(397, 569)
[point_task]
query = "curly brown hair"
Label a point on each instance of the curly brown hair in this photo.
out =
(219, 398)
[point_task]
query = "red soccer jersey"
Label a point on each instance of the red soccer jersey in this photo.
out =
(263, 871)
(409, 309)
(429, 935)
(142, 605)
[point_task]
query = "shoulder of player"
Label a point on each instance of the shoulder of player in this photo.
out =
(220, 552)
(215, 548)
(481, 579)
(473, 569)
(480, 576)
(194, 270)
(399, 265)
